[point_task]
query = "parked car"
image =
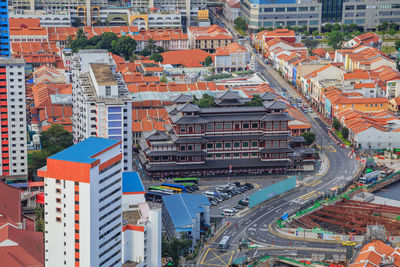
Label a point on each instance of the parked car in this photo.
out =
(310, 110)
(250, 185)
(239, 207)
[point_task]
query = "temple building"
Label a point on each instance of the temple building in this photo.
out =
(229, 137)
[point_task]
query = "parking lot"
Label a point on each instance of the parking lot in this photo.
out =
(230, 200)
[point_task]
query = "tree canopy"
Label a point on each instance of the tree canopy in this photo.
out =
(206, 101)
(175, 249)
(310, 43)
(397, 45)
(53, 141)
(208, 61)
(335, 39)
(123, 46)
(336, 124)
(255, 101)
(157, 57)
(309, 137)
(241, 24)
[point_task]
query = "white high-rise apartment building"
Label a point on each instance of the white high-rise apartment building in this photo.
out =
(102, 104)
(83, 205)
(13, 120)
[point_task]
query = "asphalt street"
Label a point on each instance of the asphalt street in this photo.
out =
(254, 223)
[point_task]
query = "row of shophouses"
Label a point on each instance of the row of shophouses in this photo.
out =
(358, 77)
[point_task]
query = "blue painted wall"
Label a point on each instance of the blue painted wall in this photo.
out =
(272, 191)
(5, 31)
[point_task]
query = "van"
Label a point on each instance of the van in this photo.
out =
(228, 212)
(209, 194)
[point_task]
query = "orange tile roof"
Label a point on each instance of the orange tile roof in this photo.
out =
(24, 22)
(364, 85)
(214, 32)
(319, 52)
(42, 91)
(160, 35)
(191, 58)
(231, 48)
(280, 33)
(31, 31)
(356, 75)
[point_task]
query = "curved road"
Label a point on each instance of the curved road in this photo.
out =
(254, 224)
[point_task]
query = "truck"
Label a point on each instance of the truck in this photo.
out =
(369, 177)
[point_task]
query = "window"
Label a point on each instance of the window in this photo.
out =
(269, 126)
(58, 200)
(218, 126)
(246, 125)
(291, 9)
(197, 147)
(183, 129)
(189, 147)
(254, 155)
(210, 145)
(58, 181)
(228, 145)
(349, 8)
(228, 126)
(275, 144)
(283, 125)
(210, 127)
(276, 125)
(254, 125)
(108, 90)
(254, 144)
(245, 144)
(183, 147)
(58, 190)
(58, 219)
(227, 155)
(303, 8)
(218, 145)
(280, 9)
(236, 144)
(210, 156)
(236, 155)
(283, 143)
(198, 128)
(218, 155)
(58, 210)
(245, 155)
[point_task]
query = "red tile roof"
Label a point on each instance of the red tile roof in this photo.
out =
(10, 199)
(231, 48)
(24, 22)
(189, 58)
(214, 32)
(29, 250)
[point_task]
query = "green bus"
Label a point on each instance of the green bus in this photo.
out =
(187, 184)
(186, 180)
(160, 189)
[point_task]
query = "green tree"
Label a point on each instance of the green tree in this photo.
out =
(255, 101)
(309, 137)
(80, 34)
(335, 39)
(56, 139)
(392, 31)
(336, 27)
(151, 46)
(345, 132)
(157, 57)
(306, 33)
(346, 28)
(241, 24)
(328, 27)
(39, 218)
(124, 46)
(145, 52)
(163, 79)
(353, 27)
(208, 61)
(315, 33)
(310, 43)
(160, 49)
(336, 124)
(37, 160)
(270, 29)
(383, 26)
(205, 101)
(175, 249)
(394, 26)
(397, 45)
(261, 29)
(106, 39)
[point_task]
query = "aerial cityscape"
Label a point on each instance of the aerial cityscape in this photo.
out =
(140, 133)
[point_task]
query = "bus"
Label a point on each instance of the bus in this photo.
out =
(186, 180)
(175, 186)
(154, 196)
(187, 184)
(162, 189)
(176, 190)
(224, 243)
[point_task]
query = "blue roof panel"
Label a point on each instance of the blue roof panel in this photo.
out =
(182, 208)
(83, 152)
(131, 182)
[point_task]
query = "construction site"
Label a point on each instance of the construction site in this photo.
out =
(351, 217)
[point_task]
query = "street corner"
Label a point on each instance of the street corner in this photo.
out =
(215, 257)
